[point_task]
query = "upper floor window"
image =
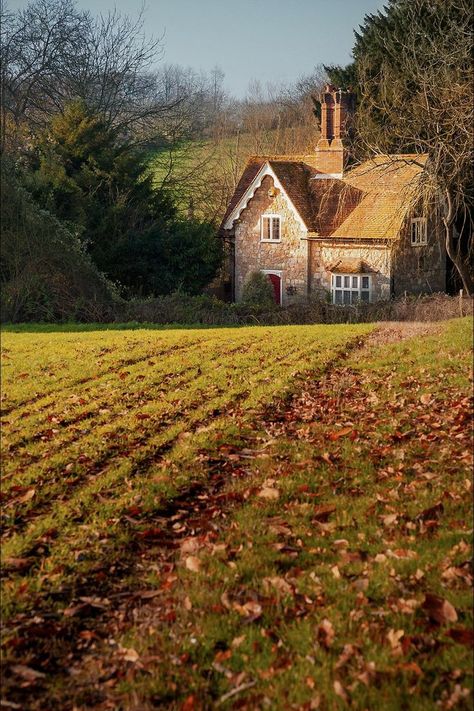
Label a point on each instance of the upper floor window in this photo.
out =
(270, 228)
(350, 288)
(419, 231)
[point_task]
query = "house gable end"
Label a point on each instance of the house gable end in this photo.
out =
(265, 170)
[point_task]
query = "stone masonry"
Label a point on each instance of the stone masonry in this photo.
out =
(290, 255)
(323, 255)
(420, 269)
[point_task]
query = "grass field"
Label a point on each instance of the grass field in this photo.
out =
(236, 518)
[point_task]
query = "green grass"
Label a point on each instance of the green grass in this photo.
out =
(284, 601)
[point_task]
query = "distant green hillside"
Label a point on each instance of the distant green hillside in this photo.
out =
(203, 174)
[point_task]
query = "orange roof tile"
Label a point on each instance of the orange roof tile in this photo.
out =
(369, 202)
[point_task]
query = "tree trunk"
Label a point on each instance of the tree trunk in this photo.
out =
(456, 257)
(454, 250)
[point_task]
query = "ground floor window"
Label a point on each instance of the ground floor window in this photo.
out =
(351, 288)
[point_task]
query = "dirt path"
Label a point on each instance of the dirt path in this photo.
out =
(392, 331)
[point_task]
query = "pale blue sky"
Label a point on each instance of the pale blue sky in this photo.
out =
(268, 40)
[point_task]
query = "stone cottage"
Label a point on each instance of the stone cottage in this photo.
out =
(322, 229)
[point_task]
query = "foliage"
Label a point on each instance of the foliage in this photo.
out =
(342, 77)
(53, 52)
(46, 274)
(88, 177)
(277, 510)
(258, 291)
(91, 180)
(415, 81)
(182, 255)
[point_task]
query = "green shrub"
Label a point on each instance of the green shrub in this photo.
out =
(45, 273)
(258, 291)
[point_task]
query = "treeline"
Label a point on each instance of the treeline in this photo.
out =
(84, 222)
(115, 169)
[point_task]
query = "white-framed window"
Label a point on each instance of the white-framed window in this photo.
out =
(270, 228)
(351, 288)
(418, 231)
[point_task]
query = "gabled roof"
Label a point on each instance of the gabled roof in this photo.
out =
(369, 202)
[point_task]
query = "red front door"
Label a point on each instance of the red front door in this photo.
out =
(276, 283)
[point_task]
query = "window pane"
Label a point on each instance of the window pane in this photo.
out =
(338, 281)
(365, 296)
(347, 281)
(423, 232)
(266, 228)
(276, 228)
(355, 282)
(347, 297)
(338, 297)
(365, 282)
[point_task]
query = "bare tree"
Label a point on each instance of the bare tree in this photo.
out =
(53, 52)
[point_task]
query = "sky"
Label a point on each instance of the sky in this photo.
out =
(271, 41)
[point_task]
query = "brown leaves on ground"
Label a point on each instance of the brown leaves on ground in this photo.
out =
(439, 610)
(308, 580)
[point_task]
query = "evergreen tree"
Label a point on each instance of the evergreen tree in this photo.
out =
(102, 189)
(414, 84)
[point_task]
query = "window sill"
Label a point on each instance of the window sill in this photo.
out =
(420, 244)
(270, 241)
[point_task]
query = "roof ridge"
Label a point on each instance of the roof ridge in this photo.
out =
(289, 158)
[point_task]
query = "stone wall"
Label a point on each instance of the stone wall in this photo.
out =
(288, 256)
(325, 254)
(395, 268)
(420, 269)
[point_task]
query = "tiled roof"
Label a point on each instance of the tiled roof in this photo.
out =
(369, 202)
(387, 187)
(295, 178)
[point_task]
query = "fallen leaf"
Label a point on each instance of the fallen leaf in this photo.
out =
(250, 609)
(27, 672)
(279, 584)
(461, 635)
(341, 543)
(269, 493)
(130, 655)
(17, 563)
(237, 641)
(394, 637)
(325, 633)
(322, 513)
(192, 563)
(340, 433)
(438, 609)
(389, 520)
(340, 691)
(26, 497)
(190, 545)
(225, 601)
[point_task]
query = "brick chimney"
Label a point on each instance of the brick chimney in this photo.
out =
(336, 106)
